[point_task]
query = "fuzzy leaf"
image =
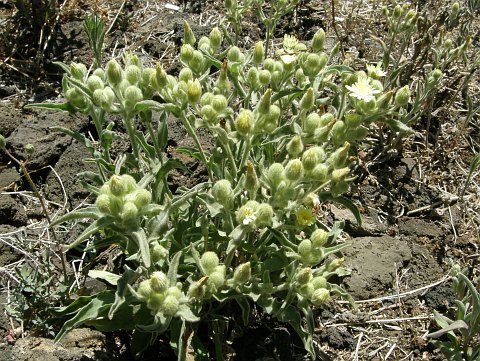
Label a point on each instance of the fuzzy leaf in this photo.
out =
(186, 314)
(111, 278)
(95, 227)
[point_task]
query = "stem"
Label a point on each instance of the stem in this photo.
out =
(131, 134)
(245, 152)
(194, 136)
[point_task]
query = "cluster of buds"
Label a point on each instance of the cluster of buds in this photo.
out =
(213, 280)
(160, 296)
(121, 198)
(315, 289)
(311, 250)
(254, 214)
(402, 18)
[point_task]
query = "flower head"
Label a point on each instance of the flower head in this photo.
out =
(375, 72)
(305, 216)
(362, 90)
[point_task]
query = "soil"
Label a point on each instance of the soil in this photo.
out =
(414, 225)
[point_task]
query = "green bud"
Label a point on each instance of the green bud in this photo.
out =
(244, 122)
(217, 280)
(339, 175)
(219, 103)
(276, 174)
(402, 96)
(144, 290)
(246, 214)
(230, 5)
(334, 264)
(276, 80)
(252, 78)
(155, 301)
(188, 35)
(103, 203)
(209, 261)
(306, 290)
(216, 38)
(170, 306)
(312, 157)
(132, 95)
(295, 146)
(197, 61)
(242, 273)
(175, 291)
(159, 282)
(320, 296)
(142, 198)
(263, 106)
(319, 282)
(304, 276)
(160, 77)
(258, 53)
(319, 237)
(194, 91)
(206, 99)
(314, 63)
(29, 149)
(76, 98)
(383, 101)
(197, 289)
(308, 100)
(100, 73)
(397, 12)
(311, 122)
(318, 41)
(94, 82)
(251, 179)
(269, 64)
(337, 189)
(208, 113)
(305, 249)
(434, 76)
(222, 192)
(264, 215)
(294, 170)
(326, 119)
(264, 77)
(353, 120)
(158, 253)
(320, 173)
(129, 212)
(186, 53)
(3, 142)
(339, 157)
(204, 45)
(78, 71)
(185, 75)
(338, 132)
(133, 74)
(117, 185)
(114, 72)
(234, 54)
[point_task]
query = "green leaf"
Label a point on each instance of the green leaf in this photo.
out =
(397, 125)
(146, 105)
(172, 270)
(95, 227)
(141, 240)
(96, 308)
(111, 278)
(55, 106)
(88, 212)
(327, 196)
(129, 276)
(82, 139)
(186, 314)
(245, 306)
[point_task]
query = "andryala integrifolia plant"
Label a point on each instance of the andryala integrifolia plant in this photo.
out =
(285, 128)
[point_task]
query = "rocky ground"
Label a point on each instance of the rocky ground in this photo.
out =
(415, 225)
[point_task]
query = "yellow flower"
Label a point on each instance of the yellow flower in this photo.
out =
(305, 216)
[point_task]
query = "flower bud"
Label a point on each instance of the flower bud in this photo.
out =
(208, 113)
(197, 62)
(194, 91)
(78, 70)
(252, 78)
(258, 53)
(311, 122)
(294, 170)
(251, 179)
(100, 73)
(269, 64)
(319, 237)
(264, 215)
(188, 35)
(308, 100)
(94, 82)
(144, 290)
(242, 273)
(434, 76)
(204, 45)
(155, 301)
(244, 122)
(216, 38)
(264, 77)
(275, 174)
(334, 264)
(339, 157)
(402, 96)
(133, 74)
(158, 253)
(114, 72)
(295, 146)
(320, 173)
(217, 280)
(117, 185)
(29, 149)
(160, 77)
(219, 103)
(319, 282)
(76, 98)
(263, 106)
(305, 249)
(170, 306)
(185, 75)
(103, 203)
(159, 282)
(318, 41)
(383, 101)
(209, 261)
(314, 63)
(338, 132)
(186, 53)
(223, 193)
(320, 296)
(197, 289)
(304, 276)
(339, 175)
(132, 95)
(141, 198)
(129, 212)
(234, 54)
(312, 157)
